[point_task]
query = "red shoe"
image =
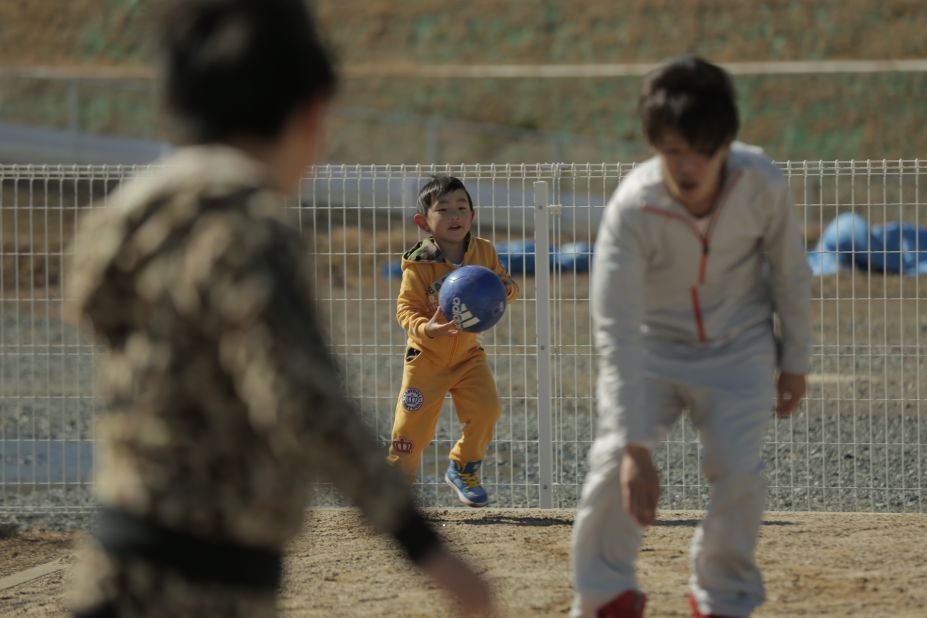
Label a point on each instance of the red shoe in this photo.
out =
(628, 604)
(697, 614)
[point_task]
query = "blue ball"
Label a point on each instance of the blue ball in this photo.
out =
(473, 297)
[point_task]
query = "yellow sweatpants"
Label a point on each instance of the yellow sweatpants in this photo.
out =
(424, 386)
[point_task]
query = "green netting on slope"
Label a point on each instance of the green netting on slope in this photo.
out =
(797, 117)
(825, 116)
(630, 31)
(116, 33)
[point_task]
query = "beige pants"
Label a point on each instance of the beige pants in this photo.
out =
(729, 395)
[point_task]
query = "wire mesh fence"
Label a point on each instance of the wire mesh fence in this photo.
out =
(859, 442)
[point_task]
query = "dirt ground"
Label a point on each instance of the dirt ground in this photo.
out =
(816, 564)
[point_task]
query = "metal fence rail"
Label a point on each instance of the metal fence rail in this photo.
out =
(859, 443)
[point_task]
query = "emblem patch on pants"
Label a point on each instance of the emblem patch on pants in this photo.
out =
(412, 399)
(402, 445)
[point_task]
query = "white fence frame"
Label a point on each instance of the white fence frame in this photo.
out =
(858, 444)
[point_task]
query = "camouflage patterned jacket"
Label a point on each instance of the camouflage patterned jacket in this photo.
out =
(221, 402)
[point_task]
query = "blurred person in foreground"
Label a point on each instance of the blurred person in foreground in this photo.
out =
(698, 249)
(220, 401)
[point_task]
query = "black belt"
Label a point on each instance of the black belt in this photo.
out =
(107, 610)
(195, 558)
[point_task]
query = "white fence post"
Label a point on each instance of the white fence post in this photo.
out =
(542, 308)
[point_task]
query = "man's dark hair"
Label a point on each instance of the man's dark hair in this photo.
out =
(239, 67)
(436, 188)
(693, 98)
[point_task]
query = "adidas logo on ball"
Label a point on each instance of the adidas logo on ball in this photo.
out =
(461, 315)
(473, 297)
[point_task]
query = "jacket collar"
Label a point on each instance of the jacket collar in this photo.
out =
(427, 250)
(657, 195)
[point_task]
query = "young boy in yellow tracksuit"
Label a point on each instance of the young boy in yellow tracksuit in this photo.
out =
(441, 358)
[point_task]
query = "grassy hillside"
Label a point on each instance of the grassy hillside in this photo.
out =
(827, 116)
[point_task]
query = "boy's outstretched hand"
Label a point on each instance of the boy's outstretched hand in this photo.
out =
(470, 592)
(640, 484)
(438, 326)
(789, 391)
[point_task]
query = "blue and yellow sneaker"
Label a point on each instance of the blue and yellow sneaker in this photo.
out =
(466, 483)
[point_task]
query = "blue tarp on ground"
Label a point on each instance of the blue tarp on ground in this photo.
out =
(575, 256)
(849, 242)
(517, 257)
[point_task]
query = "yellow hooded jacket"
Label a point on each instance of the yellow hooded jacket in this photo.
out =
(424, 268)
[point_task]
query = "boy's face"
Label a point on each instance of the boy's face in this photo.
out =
(692, 177)
(449, 217)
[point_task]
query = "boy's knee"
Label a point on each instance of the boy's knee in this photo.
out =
(740, 483)
(404, 455)
(731, 463)
(483, 413)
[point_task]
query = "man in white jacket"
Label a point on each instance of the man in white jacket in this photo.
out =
(698, 249)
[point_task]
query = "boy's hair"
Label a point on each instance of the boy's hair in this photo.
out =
(693, 98)
(239, 67)
(436, 188)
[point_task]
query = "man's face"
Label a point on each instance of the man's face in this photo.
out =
(299, 145)
(692, 177)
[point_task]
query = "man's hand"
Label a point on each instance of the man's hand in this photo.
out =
(438, 326)
(640, 484)
(790, 389)
(470, 591)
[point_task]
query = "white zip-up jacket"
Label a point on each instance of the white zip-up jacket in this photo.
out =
(658, 278)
